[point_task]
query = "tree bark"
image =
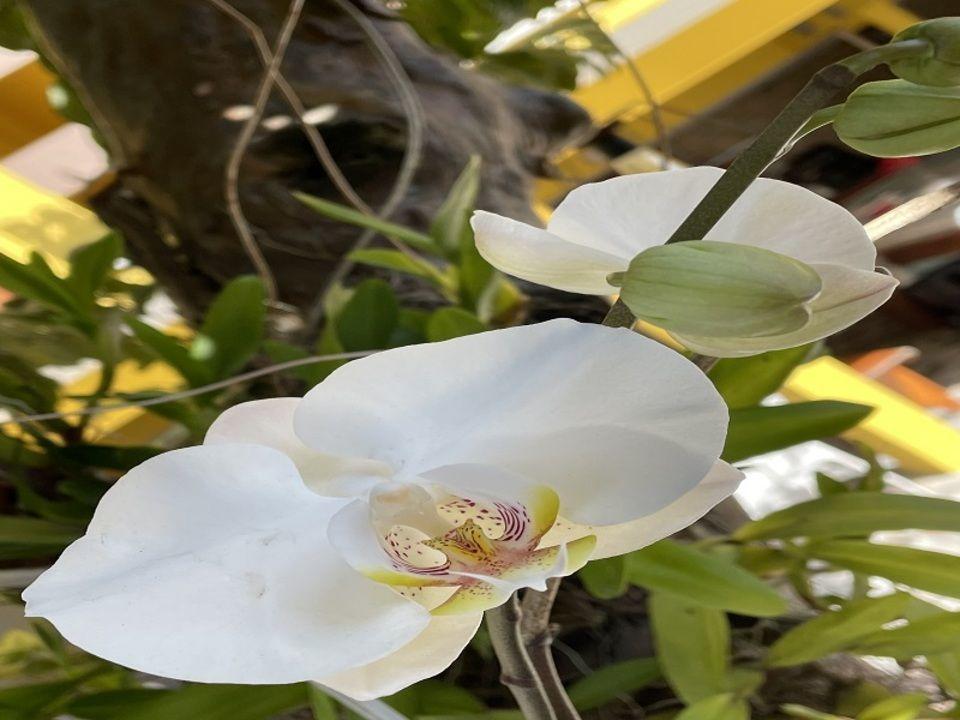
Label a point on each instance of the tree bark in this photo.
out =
(162, 75)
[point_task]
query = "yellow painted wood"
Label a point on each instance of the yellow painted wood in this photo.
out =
(883, 14)
(25, 114)
(899, 427)
(697, 53)
(33, 219)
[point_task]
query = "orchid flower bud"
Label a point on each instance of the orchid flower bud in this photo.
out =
(721, 289)
(896, 118)
(941, 67)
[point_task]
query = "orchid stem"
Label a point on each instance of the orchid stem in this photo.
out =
(750, 164)
(517, 671)
(537, 633)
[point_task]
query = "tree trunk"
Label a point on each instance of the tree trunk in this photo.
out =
(160, 77)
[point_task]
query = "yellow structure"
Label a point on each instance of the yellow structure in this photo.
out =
(921, 442)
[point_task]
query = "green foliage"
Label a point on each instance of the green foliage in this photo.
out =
(687, 573)
(466, 27)
(854, 514)
(762, 429)
(921, 569)
(233, 326)
(447, 323)
(744, 382)
(693, 647)
(717, 707)
(613, 681)
(835, 631)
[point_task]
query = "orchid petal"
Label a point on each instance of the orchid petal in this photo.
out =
(625, 215)
(431, 652)
(270, 422)
(619, 425)
(544, 258)
(612, 540)
(848, 295)
(211, 564)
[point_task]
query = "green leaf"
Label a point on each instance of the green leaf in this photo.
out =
(805, 713)
(210, 702)
(921, 569)
(744, 382)
(432, 697)
(336, 211)
(835, 631)
(693, 646)
(36, 533)
(826, 485)
(234, 325)
(758, 430)
(855, 514)
(718, 289)
(606, 578)
(113, 457)
(899, 707)
(171, 351)
(452, 322)
(321, 705)
(701, 578)
(613, 681)
(90, 264)
(718, 707)
(36, 281)
(932, 635)
(946, 666)
(452, 220)
(369, 318)
(399, 262)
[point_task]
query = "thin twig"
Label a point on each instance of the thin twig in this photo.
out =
(231, 178)
(201, 390)
(413, 152)
(537, 633)
(516, 668)
(911, 211)
(315, 139)
(656, 114)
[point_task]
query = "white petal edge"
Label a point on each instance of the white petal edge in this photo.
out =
(430, 653)
(540, 257)
(269, 422)
(625, 215)
(619, 425)
(848, 296)
(211, 564)
(721, 482)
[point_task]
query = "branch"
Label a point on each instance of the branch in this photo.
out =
(516, 668)
(231, 178)
(537, 634)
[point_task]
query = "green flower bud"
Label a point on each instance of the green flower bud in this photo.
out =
(896, 118)
(720, 289)
(941, 67)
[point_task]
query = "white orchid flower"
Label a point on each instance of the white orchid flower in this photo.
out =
(354, 537)
(599, 228)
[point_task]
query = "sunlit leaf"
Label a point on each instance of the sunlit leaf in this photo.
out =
(758, 430)
(835, 630)
(693, 646)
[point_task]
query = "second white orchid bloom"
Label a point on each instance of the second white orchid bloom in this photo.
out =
(599, 228)
(355, 537)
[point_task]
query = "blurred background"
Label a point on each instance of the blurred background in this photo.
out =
(136, 152)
